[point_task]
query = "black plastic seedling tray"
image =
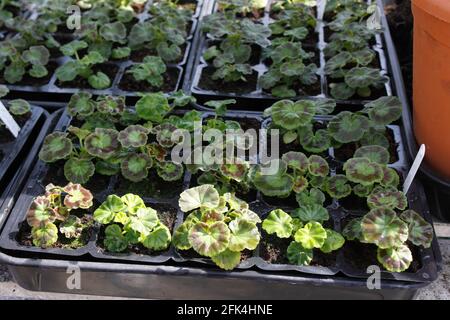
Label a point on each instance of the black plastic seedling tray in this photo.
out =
(55, 91)
(18, 158)
(261, 205)
(258, 99)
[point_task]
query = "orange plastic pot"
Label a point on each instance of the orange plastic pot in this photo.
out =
(432, 81)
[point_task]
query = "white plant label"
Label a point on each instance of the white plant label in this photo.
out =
(414, 168)
(9, 121)
(321, 5)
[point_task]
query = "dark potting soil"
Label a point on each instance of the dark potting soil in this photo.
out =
(24, 237)
(310, 42)
(274, 251)
(5, 134)
(255, 56)
(346, 151)
(401, 23)
(166, 214)
(55, 175)
(353, 202)
(107, 68)
(192, 254)
(139, 55)
(152, 187)
(62, 40)
(304, 90)
(282, 202)
(128, 83)
(239, 87)
(361, 255)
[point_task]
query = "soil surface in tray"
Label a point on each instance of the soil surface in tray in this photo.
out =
(107, 68)
(347, 150)
(152, 187)
(5, 134)
(34, 82)
(139, 55)
(128, 83)
(24, 236)
(239, 87)
(304, 90)
(192, 254)
(274, 251)
(166, 214)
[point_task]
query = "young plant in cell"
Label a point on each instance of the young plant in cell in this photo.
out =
(50, 218)
(128, 221)
(150, 70)
(304, 229)
(19, 107)
(218, 227)
(82, 66)
(17, 62)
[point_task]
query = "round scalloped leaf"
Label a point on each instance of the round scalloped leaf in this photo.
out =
(324, 106)
(313, 212)
(318, 182)
(40, 212)
(19, 107)
(278, 222)
(298, 255)
(362, 191)
(384, 110)
(420, 231)
(164, 134)
(153, 107)
(227, 259)
(296, 224)
(395, 259)
(291, 115)
(390, 178)
(333, 242)
(353, 230)
(77, 197)
(278, 184)
(115, 241)
(145, 220)
(300, 184)
(170, 171)
(374, 137)
(382, 227)
(108, 209)
(209, 240)
(363, 77)
(318, 166)
(115, 32)
(111, 105)
(376, 154)
(78, 170)
(244, 235)
(312, 235)
(134, 136)
(36, 55)
(56, 147)
(157, 240)
(337, 186)
(387, 198)
(180, 237)
(71, 227)
(337, 62)
(211, 215)
(81, 104)
(132, 203)
(236, 170)
(135, 167)
(204, 196)
(341, 91)
(348, 127)
(44, 235)
(103, 143)
(296, 160)
(313, 196)
(315, 142)
(363, 171)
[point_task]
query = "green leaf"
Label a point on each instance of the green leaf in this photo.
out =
(36, 55)
(44, 236)
(298, 255)
(291, 115)
(227, 259)
(180, 237)
(420, 232)
(115, 241)
(115, 32)
(78, 170)
(72, 227)
(312, 235)
(278, 222)
(313, 212)
(204, 196)
(135, 166)
(333, 241)
(68, 71)
(144, 221)
(19, 107)
(153, 107)
(120, 53)
(347, 127)
(384, 110)
(376, 154)
(244, 235)
(396, 259)
(158, 239)
(108, 209)
(209, 240)
(56, 147)
(99, 81)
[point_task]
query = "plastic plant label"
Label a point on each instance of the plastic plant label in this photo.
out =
(321, 5)
(414, 168)
(9, 121)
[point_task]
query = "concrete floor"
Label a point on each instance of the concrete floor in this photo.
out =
(439, 290)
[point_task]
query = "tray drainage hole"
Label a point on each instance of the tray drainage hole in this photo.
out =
(426, 275)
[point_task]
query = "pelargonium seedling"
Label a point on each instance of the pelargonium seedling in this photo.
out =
(151, 70)
(128, 221)
(338, 186)
(218, 227)
(49, 215)
(387, 198)
(363, 171)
